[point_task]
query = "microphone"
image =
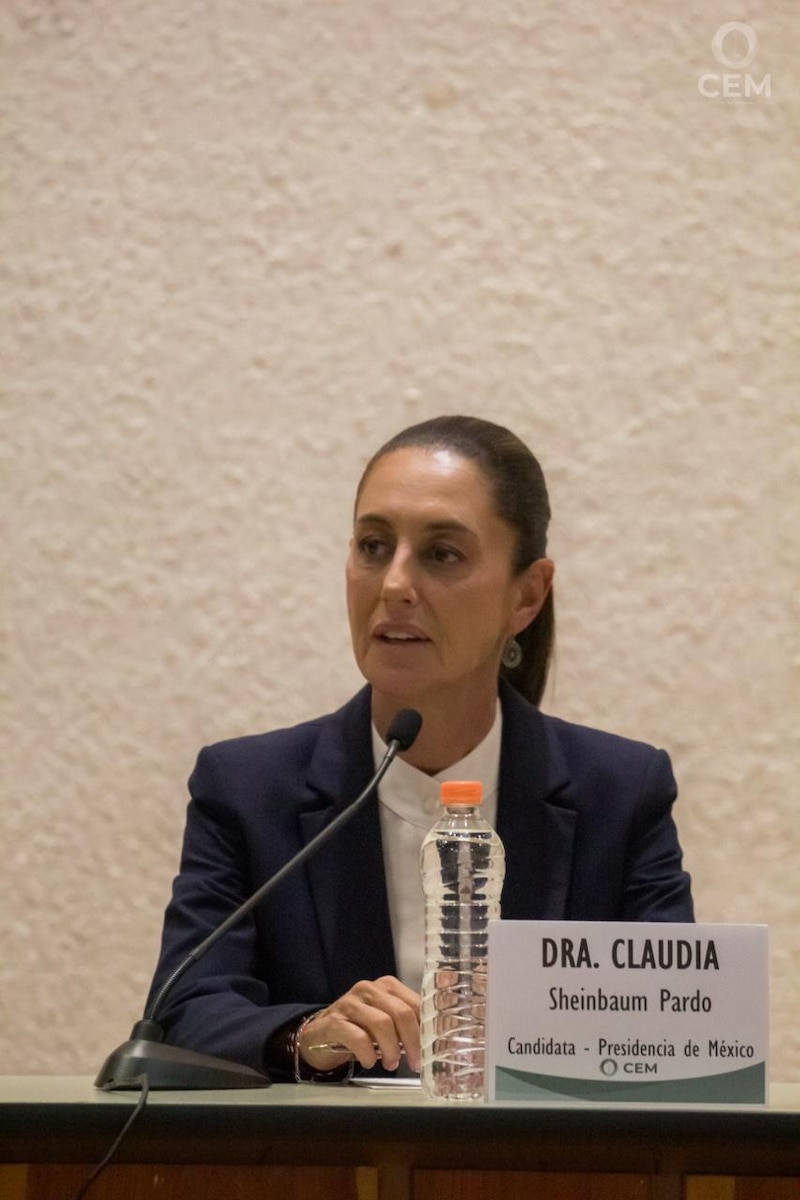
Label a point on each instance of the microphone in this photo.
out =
(145, 1053)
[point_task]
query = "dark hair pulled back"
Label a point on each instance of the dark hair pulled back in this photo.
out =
(520, 495)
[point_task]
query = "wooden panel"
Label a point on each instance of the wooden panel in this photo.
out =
(768, 1189)
(134, 1182)
(709, 1187)
(527, 1185)
(13, 1182)
(44, 1181)
(725, 1187)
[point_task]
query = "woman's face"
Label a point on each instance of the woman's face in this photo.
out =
(430, 591)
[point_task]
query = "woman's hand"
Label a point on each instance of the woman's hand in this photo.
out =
(376, 1019)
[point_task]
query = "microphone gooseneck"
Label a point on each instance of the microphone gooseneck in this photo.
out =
(172, 1067)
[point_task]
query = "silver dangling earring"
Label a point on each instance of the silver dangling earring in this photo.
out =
(512, 655)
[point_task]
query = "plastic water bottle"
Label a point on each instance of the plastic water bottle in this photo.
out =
(463, 866)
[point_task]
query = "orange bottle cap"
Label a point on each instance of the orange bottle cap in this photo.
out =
(460, 792)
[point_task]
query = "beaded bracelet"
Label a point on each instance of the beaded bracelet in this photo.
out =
(303, 1073)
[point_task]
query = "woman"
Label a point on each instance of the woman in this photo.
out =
(450, 604)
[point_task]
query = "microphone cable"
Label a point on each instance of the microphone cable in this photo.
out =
(115, 1145)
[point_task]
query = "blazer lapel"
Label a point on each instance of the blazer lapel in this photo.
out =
(535, 820)
(347, 879)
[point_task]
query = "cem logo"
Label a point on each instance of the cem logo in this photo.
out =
(609, 1067)
(734, 46)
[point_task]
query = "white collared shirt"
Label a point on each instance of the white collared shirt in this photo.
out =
(409, 806)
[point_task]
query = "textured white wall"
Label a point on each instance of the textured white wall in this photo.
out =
(243, 243)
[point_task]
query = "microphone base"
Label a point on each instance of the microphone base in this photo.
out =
(170, 1067)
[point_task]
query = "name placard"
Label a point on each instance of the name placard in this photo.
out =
(622, 1012)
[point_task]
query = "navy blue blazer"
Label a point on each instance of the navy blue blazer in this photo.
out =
(585, 818)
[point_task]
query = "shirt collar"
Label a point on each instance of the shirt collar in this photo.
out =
(414, 796)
